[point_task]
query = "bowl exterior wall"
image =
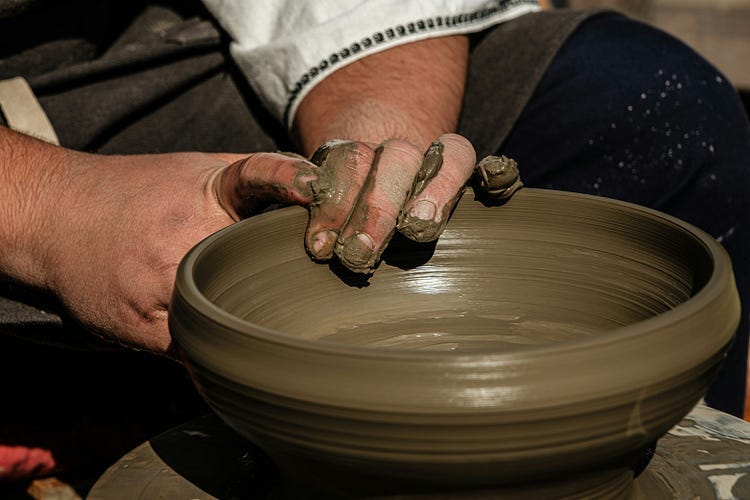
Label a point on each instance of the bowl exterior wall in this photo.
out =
(480, 419)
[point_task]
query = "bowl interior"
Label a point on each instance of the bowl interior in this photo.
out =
(545, 268)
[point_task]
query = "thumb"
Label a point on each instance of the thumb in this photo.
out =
(253, 182)
(230, 157)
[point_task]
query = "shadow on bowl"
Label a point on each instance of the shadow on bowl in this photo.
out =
(539, 348)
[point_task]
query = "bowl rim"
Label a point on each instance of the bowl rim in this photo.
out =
(187, 288)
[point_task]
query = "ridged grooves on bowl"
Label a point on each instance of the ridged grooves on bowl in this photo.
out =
(504, 403)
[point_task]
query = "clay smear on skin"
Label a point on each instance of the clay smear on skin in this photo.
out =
(413, 227)
(384, 181)
(335, 187)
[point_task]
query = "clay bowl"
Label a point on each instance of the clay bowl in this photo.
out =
(540, 346)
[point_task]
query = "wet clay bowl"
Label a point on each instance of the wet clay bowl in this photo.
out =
(540, 346)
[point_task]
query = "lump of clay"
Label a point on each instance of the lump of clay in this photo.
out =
(497, 177)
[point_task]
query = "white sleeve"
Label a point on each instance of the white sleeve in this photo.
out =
(285, 47)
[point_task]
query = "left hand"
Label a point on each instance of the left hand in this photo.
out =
(120, 225)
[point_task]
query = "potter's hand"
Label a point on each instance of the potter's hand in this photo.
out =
(403, 99)
(366, 193)
(120, 241)
(106, 233)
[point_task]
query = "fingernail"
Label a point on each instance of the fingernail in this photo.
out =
(365, 239)
(424, 210)
(322, 244)
(356, 252)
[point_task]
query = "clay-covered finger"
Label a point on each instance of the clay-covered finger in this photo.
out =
(447, 166)
(373, 220)
(344, 166)
(246, 186)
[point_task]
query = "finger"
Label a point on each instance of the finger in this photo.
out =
(233, 157)
(230, 157)
(246, 186)
(447, 167)
(345, 166)
(373, 220)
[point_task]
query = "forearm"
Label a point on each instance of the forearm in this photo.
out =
(412, 92)
(30, 172)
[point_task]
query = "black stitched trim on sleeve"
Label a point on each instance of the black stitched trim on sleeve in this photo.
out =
(396, 32)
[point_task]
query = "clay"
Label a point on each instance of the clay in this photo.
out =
(413, 227)
(497, 177)
(254, 194)
(357, 255)
(389, 182)
(433, 160)
(545, 344)
(329, 190)
(329, 157)
(424, 231)
(204, 459)
(417, 229)
(319, 157)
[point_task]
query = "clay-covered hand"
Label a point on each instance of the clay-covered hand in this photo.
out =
(367, 192)
(390, 106)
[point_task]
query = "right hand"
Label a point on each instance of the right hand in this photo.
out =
(365, 193)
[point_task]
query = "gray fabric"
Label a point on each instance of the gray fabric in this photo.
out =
(11, 8)
(504, 70)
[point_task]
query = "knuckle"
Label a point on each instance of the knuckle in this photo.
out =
(401, 147)
(460, 145)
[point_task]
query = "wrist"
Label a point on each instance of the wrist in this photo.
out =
(372, 121)
(412, 92)
(34, 197)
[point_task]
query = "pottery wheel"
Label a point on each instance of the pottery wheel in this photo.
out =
(707, 456)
